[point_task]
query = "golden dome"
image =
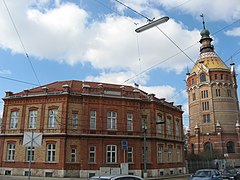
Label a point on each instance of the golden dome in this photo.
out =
(209, 60)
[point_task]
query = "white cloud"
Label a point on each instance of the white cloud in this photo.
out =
(65, 34)
(5, 72)
(214, 10)
(234, 32)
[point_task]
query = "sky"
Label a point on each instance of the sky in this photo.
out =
(43, 41)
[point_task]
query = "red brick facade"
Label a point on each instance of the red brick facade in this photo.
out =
(84, 125)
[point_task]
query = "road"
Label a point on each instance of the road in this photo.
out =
(47, 178)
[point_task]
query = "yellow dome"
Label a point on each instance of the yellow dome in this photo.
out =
(210, 60)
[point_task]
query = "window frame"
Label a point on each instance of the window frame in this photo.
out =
(32, 121)
(52, 118)
(51, 152)
(14, 120)
(11, 149)
(111, 154)
(112, 120)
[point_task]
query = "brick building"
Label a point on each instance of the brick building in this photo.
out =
(90, 129)
(213, 105)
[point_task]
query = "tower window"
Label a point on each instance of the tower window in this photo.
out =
(204, 94)
(229, 93)
(230, 147)
(202, 77)
(208, 147)
(226, 77)
(215, 76)
(221, 76)
(194, 96)
(205, 106)
(206, 118)
(218, 92)
(192, 81)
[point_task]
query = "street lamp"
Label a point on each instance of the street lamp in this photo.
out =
(152, 24)
(144, 127)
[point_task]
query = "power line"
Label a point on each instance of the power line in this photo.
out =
(19, 37)
(20, 81)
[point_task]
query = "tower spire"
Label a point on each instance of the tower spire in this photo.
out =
(203, 21)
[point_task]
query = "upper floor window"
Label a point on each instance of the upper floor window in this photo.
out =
(202, 77)
(10, 152)
(177, 127)
(169, 126)
(193, 96)
(93, 118)
(204, 93)
(206, 118)
(32, 122)
(111, 154)
(192, 81)
(218, 92)
(230, 147)
(205, 106)
(30, 153)
(14, 120)
(129, 121)
(52, 118)
(159, 123)
(226, 77)
(221, 76)
(74, 120)
(229, 93)
(208, 147)
(112, 120)
(51, 152)
(215, 76)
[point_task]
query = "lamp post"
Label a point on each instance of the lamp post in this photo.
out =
(144, 127)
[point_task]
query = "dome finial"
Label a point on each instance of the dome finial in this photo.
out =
(203, 21)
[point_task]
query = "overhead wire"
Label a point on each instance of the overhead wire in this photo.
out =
(21, 42)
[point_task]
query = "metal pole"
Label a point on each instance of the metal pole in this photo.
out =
(144, 150)
(30, 159)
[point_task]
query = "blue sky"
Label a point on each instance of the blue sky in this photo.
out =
(95, 40)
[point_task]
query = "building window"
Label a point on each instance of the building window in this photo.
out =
(93, 118)
(129, 121)
(92, 154)
(221, 76)
(51, 152)
(202, 77)
(170, 154)
(204, 94)
(160, 154)
(73, 155)
(11, 152)
(215, 76)
(130, 155)
(159, 123)
(205, 106)
(193, 96)
(52, 118)
(218, 92)
(32, 122)
(74, 120)
(111, 154)
(169, 126)
(30, 156)
(192, 148)
(206, 118)
(177, 127)
(226, 77)
(230, 147)
(229, 93)
(112, 120)
(14, 120)
(178, 154)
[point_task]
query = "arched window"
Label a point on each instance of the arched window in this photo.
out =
(202, 77)
(230, 147)
(208, 147)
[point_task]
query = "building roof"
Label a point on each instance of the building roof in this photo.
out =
(210, 60)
